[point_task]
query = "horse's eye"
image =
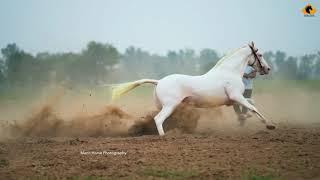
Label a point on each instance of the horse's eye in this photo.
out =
(260, 55)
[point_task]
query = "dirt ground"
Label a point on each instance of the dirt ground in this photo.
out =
(120, 141)
(288, 152)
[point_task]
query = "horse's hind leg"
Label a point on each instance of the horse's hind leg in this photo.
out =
(165, 112)
(156, 100)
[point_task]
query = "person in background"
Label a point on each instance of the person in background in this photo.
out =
(248, 76)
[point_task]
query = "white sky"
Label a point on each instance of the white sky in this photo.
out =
(158, 26)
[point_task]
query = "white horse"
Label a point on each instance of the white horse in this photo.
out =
(222, 85)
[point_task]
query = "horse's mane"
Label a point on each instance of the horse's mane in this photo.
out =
(229, 54)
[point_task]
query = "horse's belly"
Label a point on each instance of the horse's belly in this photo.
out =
(209, 101)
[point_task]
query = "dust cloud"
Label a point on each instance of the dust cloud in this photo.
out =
(75, 116)
(52, 118)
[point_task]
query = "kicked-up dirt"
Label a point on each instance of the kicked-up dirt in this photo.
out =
(114, 143)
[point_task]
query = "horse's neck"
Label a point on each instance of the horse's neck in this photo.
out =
(236, 63)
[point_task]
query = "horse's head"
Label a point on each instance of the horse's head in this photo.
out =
(257, 61)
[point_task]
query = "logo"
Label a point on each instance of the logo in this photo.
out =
(308, 10)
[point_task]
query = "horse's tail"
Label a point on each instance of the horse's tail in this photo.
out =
(120, 89)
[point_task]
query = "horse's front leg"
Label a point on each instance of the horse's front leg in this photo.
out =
(237, 97)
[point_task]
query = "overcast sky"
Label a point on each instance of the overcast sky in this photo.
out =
(158, 26)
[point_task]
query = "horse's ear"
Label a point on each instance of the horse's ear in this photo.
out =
(252, 44)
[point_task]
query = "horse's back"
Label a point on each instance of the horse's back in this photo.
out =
(176, 79)
(174, 86)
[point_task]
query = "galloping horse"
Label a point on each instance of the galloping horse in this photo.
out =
(222, 85)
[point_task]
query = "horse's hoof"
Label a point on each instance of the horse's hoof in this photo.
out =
(270, 127)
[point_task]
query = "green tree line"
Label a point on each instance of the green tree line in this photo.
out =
(100, 63)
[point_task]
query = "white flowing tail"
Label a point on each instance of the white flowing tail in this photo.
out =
(120, 89)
